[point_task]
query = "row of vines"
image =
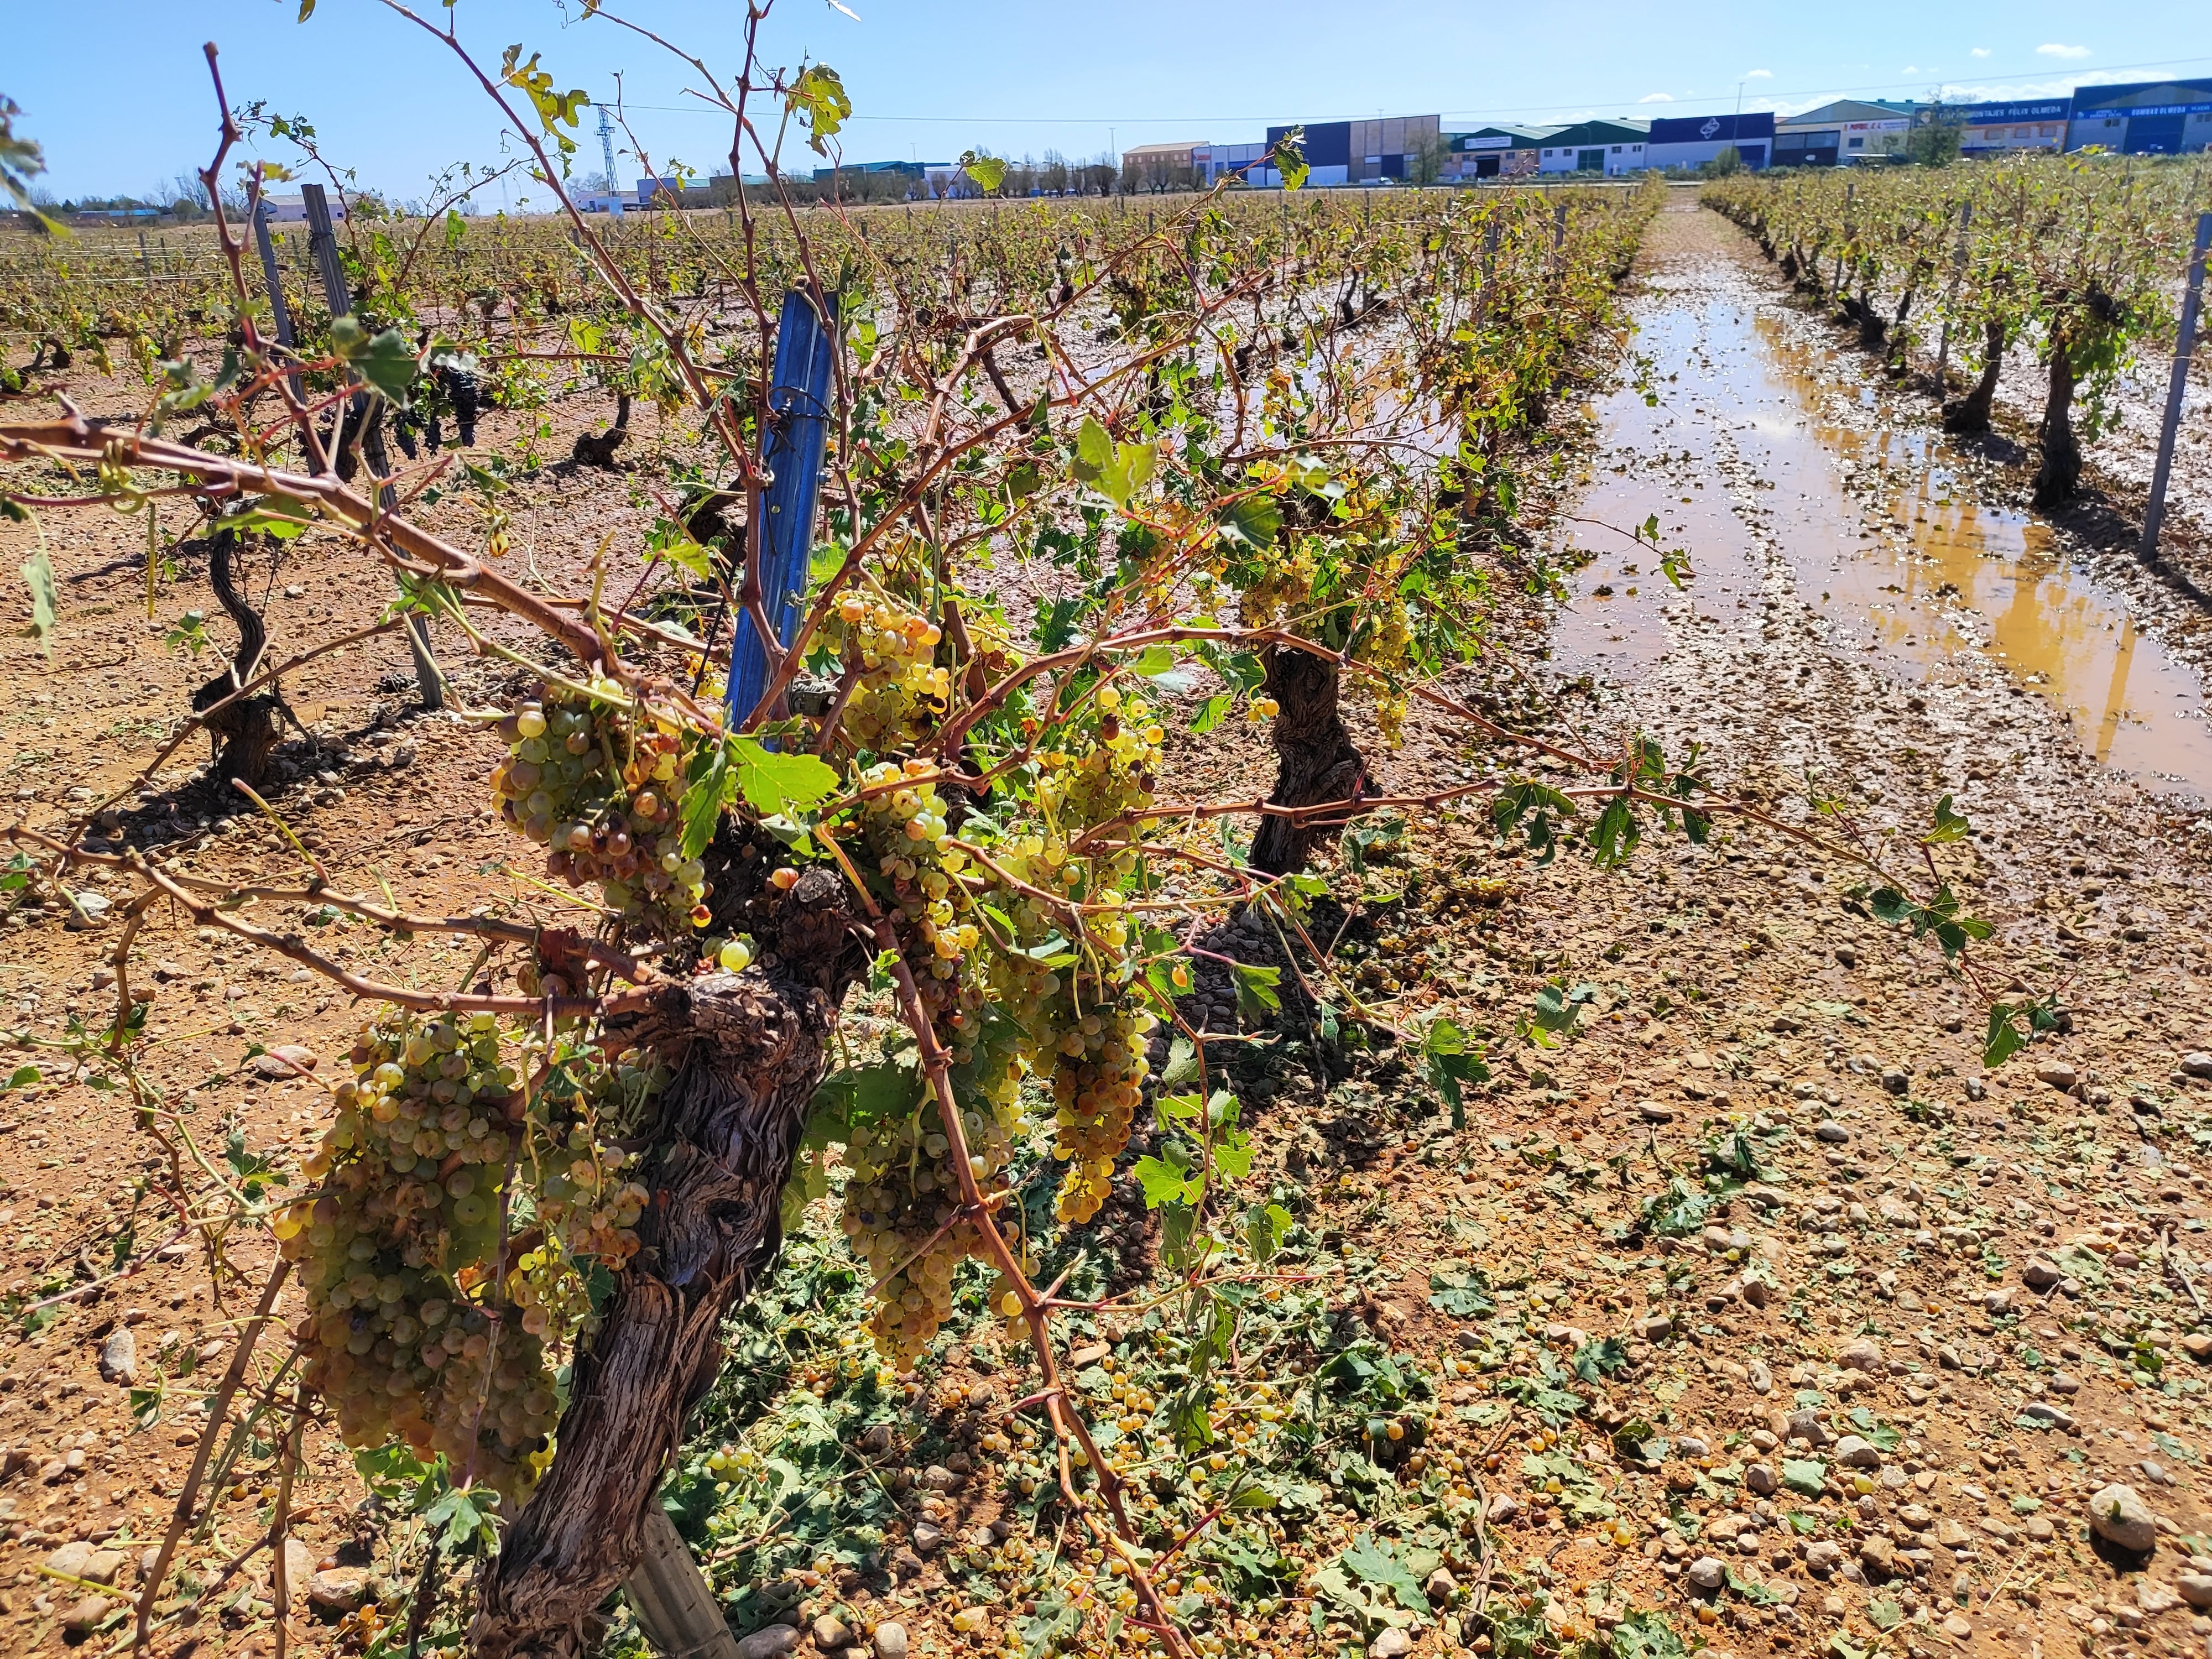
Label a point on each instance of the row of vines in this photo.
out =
(2077, 259)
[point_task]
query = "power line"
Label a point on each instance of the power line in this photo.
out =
(1490, 111)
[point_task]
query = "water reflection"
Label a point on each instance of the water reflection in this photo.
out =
(1743, 456)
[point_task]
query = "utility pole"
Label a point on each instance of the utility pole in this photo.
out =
(607, 149)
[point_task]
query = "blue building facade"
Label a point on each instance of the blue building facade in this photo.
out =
(2142, 117)
(1689, 141)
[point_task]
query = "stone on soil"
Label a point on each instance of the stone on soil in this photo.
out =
(2118, 1514)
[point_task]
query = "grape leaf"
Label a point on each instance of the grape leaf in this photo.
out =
(773, 782)
(820, 96)
(706, 783)
(1378, 1564)
(46, 599)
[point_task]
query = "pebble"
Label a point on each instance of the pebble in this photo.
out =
(1878, 1555)
(119, 1356)
(1391, 1644)
(1652, 1112)
(1858, 1452)
(1823, 1556)
(2039, 1274)
(1958, 1627)
(1805, 1424)
(1707, 1573)
(86, 1561)
(2196, 1063)
(2117, 1513)
(1440, 1585)
(287, 1060)
(829, 1633)
(2059, 1073)
(1759, 1479)
(928, 1537)
(769, 1641)
(87, 1613)
(891, 1640)
(1863, 1355)
(1832, 1132)
(2195, 1588)
(339, 1588)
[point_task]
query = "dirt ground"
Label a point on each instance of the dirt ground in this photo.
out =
(1866, 1394)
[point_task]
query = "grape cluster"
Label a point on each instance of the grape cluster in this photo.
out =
(1095, 1085)
(599, 791)
(901, 692)
(904, 826)
(1014, 983)
(412, 1327)
(1095, 774)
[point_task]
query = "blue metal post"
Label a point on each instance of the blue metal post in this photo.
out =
(799, 402)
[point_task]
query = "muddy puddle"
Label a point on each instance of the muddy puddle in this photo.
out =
(1768, 461)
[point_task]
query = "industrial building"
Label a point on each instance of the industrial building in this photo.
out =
(1219, 159)
(2012, 129)
(1691, 141)
(1838, 134)
(1362, 152)
(1494, 152)
(915, 170)
(1164, 167)
(2142, 117)
(1612, 148)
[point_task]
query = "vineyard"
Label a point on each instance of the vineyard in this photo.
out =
(857, 829)
(2076, 266)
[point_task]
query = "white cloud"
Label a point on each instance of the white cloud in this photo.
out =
(1758, 74)
(2053, 49)
(1981, 51)
(2003, 92)
(1656, 98)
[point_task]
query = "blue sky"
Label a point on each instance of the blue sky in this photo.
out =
(117, 92)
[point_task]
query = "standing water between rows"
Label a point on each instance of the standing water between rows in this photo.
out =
(1772, 460)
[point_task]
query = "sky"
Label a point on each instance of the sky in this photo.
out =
(930, 78)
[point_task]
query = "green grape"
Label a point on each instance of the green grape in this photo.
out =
(601, 793)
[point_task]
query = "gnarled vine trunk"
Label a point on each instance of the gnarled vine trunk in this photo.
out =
(748, 1050)
(2060, 474)
(1315, 758)
(1899, 340)
(1972, 412)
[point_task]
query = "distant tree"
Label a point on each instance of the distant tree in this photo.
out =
(1937, 131)
(1729, 160)
(1424, 161)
